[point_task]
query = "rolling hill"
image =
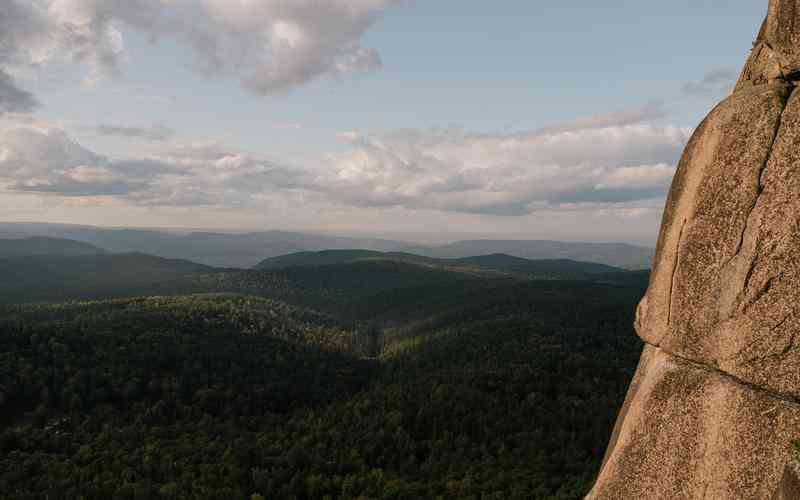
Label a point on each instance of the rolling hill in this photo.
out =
(541, 268)
(353, 285)
(613, 254)
(245, 250)
(40, 245)
(314, 259)
(338, 374)
(50, 277)
(383, 288)
(508, 391)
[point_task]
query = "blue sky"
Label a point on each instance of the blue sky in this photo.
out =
(475, 120)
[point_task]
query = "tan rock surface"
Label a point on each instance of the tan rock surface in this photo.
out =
(715, 403)
(714, 189)
(775, 51)
(789, 487)
(725, 288)
(692, 433)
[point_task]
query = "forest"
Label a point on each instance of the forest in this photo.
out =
(374, 379)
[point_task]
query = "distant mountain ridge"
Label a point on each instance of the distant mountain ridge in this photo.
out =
(56, 277)
(245, 250)
(495, 262)
(621, 255)
(41, 245)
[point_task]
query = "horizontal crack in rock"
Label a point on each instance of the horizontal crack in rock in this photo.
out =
(789, 399)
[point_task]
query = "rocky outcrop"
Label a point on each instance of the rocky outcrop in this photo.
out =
(715, 403)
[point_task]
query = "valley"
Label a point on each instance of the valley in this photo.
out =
(335, 374)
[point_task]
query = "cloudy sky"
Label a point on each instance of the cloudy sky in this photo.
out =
(534, 119)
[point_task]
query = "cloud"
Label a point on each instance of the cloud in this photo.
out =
(24, 35)
(508, 174)
(620, 118)
(82, 181)
(214, 174)
(12, 98)
(598, 163)
(271, 46)
(348, 136)
(39, 157)
(715, 83)
(154, 133)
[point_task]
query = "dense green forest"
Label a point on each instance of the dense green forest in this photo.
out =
(366, 379)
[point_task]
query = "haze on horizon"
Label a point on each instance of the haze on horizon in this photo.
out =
(541, 121)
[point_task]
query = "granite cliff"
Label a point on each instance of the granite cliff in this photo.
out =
(715, 403)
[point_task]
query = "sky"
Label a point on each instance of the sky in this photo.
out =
(558, 120)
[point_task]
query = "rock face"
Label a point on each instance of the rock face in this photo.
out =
(789, 488)
(715, 403)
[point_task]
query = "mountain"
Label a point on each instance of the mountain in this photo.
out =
(612, 254)
(245, 250)
(401, 288)
(497, 262)
(39, 245)
(352, 283)
(338, 374)
(55, 277)
(314, 259)
(535, 267)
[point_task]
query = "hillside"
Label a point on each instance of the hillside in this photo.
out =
(314, 259)
(499, 262)
(394, 290)
(50, 277)
(536, 267)
(509, 394)
(333, 287)
(40, 245)
(242, 250)
(388, 288)
(612, 254)
(380, 375)
(346, 289)
(246, 250)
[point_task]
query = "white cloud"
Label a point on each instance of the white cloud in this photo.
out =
(600, 167)
(12, 98)
(348, 136)
(23, 34)
(506, 174)
(40, 157)
(270, 45)
(36, 149)
(152, 133)
(627, 117)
